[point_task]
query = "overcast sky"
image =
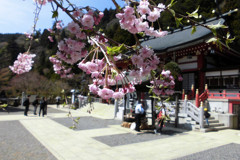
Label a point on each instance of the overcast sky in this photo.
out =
(16, 16)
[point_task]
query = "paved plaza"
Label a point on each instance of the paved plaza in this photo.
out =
(99, 136)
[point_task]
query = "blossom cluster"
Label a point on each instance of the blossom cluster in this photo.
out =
(72, 50)
(23, 63)
(60, 69)
(164, 85)
(99, 70)
(86, 19)
(135, 24)
(28, 35)
(104, 72)
(145, 61)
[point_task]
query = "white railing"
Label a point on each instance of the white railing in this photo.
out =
(195, 113)
(120, 102)
(97, 99)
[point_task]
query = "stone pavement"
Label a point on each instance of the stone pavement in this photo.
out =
(67, 144)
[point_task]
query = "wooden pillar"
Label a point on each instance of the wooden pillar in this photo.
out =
(176, 110)
(201, 112)
(125, 104)
(139, 96)
(153, 101)
(201, 74)
(197, 98)
(230, 109)
(183, 95)
(193, 91)
(142, 95)
(224, 93)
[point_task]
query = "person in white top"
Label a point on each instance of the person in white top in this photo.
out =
(138, 111)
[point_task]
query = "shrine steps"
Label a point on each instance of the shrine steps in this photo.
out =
(214, 125)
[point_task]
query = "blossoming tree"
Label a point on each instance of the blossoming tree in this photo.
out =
(137, 18)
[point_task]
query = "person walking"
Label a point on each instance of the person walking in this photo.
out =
(26, 103)
(43, 104)
(35, 104)
(57, 101)
(160, 119)
(138, 114)
(207, 115)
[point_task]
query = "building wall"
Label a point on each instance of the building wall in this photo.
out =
(219, 105)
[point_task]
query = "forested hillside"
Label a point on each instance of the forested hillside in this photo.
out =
(13, 44)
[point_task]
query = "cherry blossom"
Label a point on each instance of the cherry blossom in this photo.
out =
(23, 63)
(105, 93)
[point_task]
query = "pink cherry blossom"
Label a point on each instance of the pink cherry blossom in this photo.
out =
(171, 78)
(131, 88)
(105, 93)
(116, 58)
(50, 39)
(128, 11)
(136, 73)
(180, 78)
(50, 30)
(58, 25)
(157, 92)
(118, 95)
(87, 21)
(81, 35)
(93, 88)
(172, 83)
(153, 16)
(137, 60)
(146, 52)
(143, 7)
(161, 7)
(92, 66)
(23, 63)
(82, 66)
(77, 13)
(73, 27)
(165, 73)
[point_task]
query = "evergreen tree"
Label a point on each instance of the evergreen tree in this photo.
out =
(12, 49)
(44, 38)
(63, 34)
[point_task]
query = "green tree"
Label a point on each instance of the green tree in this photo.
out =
(12, 49)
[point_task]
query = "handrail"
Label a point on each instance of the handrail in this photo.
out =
(224, 95)
(120, 102)
(193, 111)
(190, 95)
(203, 96)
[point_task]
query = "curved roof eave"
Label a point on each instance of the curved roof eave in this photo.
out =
(181, 38)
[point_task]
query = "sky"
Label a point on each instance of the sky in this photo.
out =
(17, 16)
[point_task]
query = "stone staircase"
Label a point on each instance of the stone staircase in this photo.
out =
(214, 125)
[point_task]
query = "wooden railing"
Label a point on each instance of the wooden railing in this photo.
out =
(224, 95)
(189, 95)
(203, 96)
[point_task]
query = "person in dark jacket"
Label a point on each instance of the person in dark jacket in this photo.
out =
(26, 103)
(43, 105)
(57, 101)
(207, 115)
(35, 104)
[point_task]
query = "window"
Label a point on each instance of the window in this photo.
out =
(216, 81)
(188, 81)
(223, 81)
